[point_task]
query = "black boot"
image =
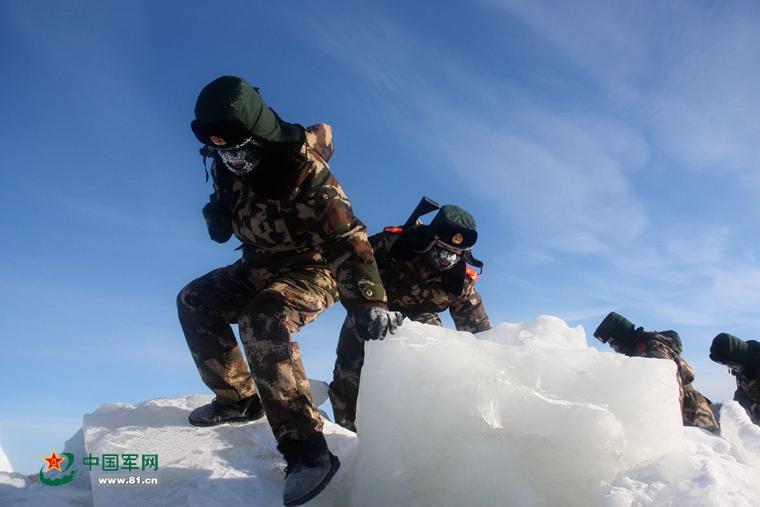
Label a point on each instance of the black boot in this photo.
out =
(245, 410)
(311, 465)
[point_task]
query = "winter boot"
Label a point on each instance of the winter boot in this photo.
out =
(311, 465)
(245, 410)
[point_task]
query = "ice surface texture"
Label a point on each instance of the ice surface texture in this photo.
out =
(448, 419)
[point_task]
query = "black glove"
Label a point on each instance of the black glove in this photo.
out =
(219, 221)
(374, 323)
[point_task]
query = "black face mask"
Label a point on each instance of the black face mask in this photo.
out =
(442, 258)
(242, 159)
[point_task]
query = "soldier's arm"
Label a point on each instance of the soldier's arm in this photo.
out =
(662, 347)
(684, 370)
(381, 245)
(343, 240)
(217, 212)
(469, 313)
(753, 372)
(657, 348)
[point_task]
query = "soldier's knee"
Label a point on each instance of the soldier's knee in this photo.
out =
(195, 295)
(186, 299)
(264, 319)
(182, 303)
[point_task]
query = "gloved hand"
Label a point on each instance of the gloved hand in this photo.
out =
(219, 221)
(375, 322)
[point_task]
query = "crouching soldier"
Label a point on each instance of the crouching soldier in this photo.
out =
(626, 339)
(424, 271)
(302, 248)
(743, 358)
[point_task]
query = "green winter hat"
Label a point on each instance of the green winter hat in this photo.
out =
(727, 348)
(229, 111)
(454, 226)
(616, 327)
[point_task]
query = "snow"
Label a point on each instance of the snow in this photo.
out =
(525, 414)
(705, 475)
(5, 464)
(18, 490)
(197, 466)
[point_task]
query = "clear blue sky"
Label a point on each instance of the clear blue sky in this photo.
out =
(608, 150)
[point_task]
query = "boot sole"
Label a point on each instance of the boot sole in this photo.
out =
(234, 420)
(334, 466)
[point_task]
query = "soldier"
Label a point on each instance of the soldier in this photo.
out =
(625, 338)
(302, 248)
(424, 271)
(743, 358)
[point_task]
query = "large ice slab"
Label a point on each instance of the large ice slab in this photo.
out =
(448, 419)
(545, 331)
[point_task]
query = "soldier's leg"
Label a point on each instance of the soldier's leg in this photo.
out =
(344, 388)
(696, 410)
(207, 306)
(266, 325)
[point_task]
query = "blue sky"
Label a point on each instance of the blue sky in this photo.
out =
(608, 150)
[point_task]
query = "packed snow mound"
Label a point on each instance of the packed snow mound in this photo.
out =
(225, 465)
(706, 474)
(738, 429)
(20, 490)
(524, 415)
(5, 464)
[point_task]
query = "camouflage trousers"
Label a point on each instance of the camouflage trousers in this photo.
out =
(268, 304)
(696, 411)
(344, 388)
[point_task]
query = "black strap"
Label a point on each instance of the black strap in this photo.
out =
(469, 259)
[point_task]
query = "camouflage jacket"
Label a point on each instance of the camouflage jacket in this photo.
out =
(297, 214)
(748, 388)
(663, 345)
(417, 290)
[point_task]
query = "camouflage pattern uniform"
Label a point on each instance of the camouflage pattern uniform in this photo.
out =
(695, 408)
(748, 392)
(419, 292)
(302, 249)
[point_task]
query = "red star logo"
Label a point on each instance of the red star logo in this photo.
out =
(54, 462)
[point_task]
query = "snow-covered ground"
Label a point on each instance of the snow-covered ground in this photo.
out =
(525, 414)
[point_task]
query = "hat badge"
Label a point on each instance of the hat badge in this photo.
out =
(218, 141)
(457, 239)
